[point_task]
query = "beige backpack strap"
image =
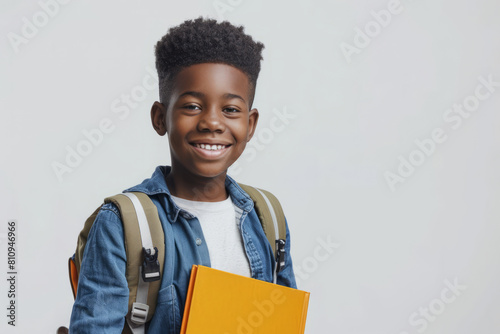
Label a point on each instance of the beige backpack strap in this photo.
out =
(136, 257)
(134, 251)
(273, 222)
(82, 241)
(75, 262)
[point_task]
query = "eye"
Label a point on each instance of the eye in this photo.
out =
(231, 110)
(192, 107)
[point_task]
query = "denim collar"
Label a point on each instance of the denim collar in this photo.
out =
(156, 185)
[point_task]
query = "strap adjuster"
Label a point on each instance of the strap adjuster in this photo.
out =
(280, 255)
(139, 313)
(150, 266)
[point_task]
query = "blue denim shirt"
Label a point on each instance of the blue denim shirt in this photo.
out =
(102, 300)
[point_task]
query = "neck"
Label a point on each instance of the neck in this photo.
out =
(185, 185)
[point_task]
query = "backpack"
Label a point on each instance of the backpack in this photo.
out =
(145, 247)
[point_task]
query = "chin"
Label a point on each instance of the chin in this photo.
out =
(210, 172)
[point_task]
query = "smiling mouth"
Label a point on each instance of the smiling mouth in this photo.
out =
(211, 147)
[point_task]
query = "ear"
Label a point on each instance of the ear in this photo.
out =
(253, 117)
(158, 118)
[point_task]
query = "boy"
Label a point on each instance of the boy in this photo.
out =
(207, 73)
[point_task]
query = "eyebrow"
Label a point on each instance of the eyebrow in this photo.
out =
(201, 95)
(233, 96)
(192, 93)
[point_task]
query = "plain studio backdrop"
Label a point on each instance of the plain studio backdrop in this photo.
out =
(378, 132)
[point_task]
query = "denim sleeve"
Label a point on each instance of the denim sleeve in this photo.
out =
(286, 277)
(102, 297)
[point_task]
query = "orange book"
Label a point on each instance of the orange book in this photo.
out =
(223, 303)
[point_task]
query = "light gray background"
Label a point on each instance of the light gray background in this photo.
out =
(349, 123)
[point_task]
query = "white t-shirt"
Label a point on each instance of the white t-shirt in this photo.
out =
(220, 226)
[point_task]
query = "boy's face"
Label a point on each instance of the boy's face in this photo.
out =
(208, 119)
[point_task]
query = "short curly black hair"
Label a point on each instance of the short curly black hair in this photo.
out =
(206, 41)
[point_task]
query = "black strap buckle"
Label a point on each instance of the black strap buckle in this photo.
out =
(280, 255)
(150, 266)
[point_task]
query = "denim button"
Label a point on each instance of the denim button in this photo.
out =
(198, 241)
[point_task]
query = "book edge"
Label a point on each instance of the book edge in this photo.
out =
(189, 296)
(304, 312)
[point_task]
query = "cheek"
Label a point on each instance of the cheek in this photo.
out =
(240, 131)
(177, 129)
(175, 141)
(242, 143)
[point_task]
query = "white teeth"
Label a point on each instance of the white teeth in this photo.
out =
(211, 147)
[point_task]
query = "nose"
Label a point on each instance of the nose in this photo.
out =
(211, 120)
